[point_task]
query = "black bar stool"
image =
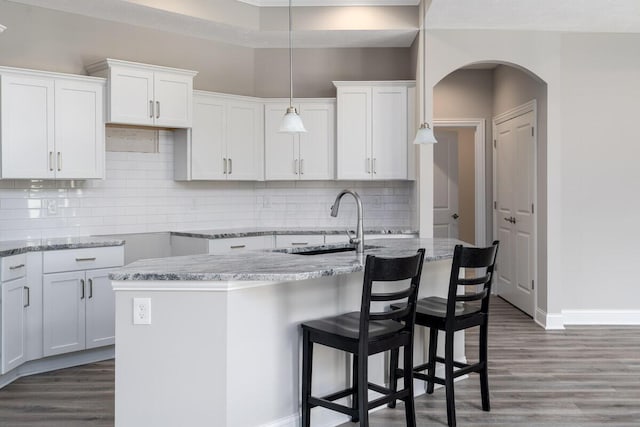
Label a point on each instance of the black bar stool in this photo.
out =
(366, 333)
(455, 313)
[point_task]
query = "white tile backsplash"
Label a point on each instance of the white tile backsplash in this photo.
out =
(139, 195)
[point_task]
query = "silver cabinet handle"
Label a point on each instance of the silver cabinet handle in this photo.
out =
(295, 166)
(374, 165)
(82, 284)
(51, 161)
(157, 109)
(301, 166)
(151, 109)
(15, 267)
(230, 166)
(224, 165)
(90, 288)
(299, 243)
(59, 161)
(85, 259)
(28, 303)
(238, 246)
(368, 165)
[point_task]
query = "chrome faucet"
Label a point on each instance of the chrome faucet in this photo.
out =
(359, 239)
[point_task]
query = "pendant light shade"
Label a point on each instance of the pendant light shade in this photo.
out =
(425, 135)
(2, 28)
(291, 122)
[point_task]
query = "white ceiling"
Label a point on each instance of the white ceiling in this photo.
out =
(296, 3)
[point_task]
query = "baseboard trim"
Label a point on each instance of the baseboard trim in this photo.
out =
(601, 317)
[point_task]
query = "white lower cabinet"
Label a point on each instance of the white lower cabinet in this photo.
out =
(299, 240)
(13, 321)
(239, 244)
(78, 306)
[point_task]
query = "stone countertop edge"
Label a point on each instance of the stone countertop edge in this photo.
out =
(253, 232)
(15, 247)
(276, 266)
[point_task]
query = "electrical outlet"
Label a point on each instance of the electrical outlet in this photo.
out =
(52, 207)
(142, 311)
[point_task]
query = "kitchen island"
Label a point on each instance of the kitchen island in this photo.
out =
(223, 344)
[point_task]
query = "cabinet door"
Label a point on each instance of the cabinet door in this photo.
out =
(244, 140)
(173, 100)
(131, 96)
(13, 324)
(354, 133)
(79, 130)
(317, 154)
(389, 132)
(101, 308)
(208, 151)
(280, 149)
(26, 117)
(63, 312)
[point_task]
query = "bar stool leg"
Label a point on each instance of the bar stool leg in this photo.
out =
(433, 347)
(448, 379)
(307, 361)
(484, 373)
(354, 397)
(363, 395)
(393, 378)
(409, 404)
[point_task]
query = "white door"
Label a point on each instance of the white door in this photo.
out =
(280, 149)
(389, 133)
(208, 142)
(79, 130)
(445, 184)
(514, 213)
(173, 94)
(101, 309)
(131, 99)
(27, 131)
(318, 144)
(63, 312)
(354, 157)
(13, 324)
(244, 136)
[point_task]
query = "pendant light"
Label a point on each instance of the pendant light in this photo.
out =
(291, 122)
(2, 28)
(425, 133)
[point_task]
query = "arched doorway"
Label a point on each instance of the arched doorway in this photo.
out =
(510, 168)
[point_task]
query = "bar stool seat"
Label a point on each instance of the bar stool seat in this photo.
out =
(348, 326)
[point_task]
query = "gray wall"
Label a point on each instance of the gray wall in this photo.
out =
(49, 40)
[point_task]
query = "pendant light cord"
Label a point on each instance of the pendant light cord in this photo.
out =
(424, 70)
(290, 59)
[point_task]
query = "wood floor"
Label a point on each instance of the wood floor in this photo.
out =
(582, 377)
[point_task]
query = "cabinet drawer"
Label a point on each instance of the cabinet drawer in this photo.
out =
(13, 266)
(82, 259)
(289, 240)
(238, 244)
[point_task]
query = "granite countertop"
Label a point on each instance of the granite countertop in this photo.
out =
(257, 231)
(277, 265)
(14, 247)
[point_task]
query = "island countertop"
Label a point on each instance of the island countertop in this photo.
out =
(278, 264)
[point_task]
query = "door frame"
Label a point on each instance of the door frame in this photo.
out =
(479, 160)
(527, 107)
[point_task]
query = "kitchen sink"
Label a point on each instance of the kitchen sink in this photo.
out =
(329, 250)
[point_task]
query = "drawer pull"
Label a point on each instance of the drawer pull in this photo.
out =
(85, 259)
(299, 243)
(15, 267)
(238, 246)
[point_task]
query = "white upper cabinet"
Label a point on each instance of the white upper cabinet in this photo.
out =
(226, 141)
(147, 95)
(51, 125)
(305, 156)
(372, 122)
